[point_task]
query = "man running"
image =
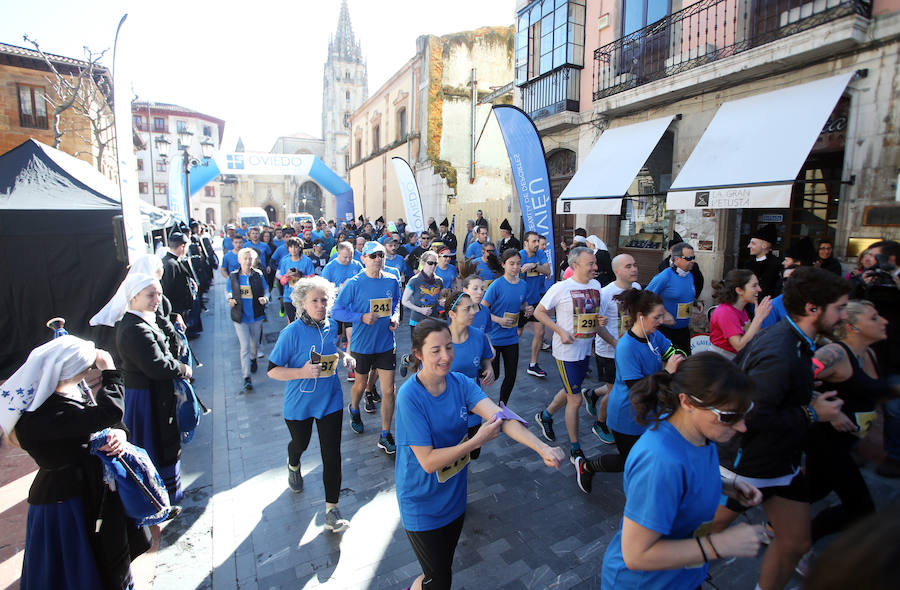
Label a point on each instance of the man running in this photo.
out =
(676, 287)
(577, 304)
(371, 301)
(535, 269)
(617, 323)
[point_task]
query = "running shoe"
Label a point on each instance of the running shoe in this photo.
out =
(602, 432)
(369, 404)
(574, 454)
(375, 395)
(583, 478)
(355, 421)
(254, 366)
(351, 376)
(404, 365)
(536, 370)
(281, 313)
(546, 426)
(545, 346)
(334, 522)
(590, 401)
(295, 479)
(248, 385)
(386, 443)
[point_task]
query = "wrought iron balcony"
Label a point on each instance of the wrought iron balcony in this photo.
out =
(706, 31)
(554, 92)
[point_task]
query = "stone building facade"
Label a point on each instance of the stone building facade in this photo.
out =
(425, 114)
(26, 94)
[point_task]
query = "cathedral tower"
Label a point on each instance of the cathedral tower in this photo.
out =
(345, 87)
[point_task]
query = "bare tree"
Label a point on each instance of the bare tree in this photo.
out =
(88, 92)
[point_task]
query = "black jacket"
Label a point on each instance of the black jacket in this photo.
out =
(507, 243)
(256, 289)
(768, 272)
(831, 264)
(449, 240)
(55, 435)
(176, 283)
(779, 360)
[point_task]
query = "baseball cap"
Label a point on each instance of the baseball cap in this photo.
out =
(371, 248)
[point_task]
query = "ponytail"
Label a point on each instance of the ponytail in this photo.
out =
(653, 397)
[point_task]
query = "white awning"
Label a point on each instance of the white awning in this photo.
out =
(615, 160)
(754, 148)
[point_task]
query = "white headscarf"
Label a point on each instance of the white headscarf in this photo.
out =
(596, 242)
(60, 359)
(112, 312)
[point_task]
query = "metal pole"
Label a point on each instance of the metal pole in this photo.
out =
(150, 149)
(187, 185)
(472, 129)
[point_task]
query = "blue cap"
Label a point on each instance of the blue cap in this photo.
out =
(371, 248)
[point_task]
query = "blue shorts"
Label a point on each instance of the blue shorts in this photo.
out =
(573, 373)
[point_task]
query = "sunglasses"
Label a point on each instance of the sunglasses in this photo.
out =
(431, 262)
(688, 258)
(445, 256)
(725, 417)
(375, 255)
(490, 251)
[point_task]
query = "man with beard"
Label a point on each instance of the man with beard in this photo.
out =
(769, 454)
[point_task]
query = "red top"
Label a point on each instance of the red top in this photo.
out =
(727, 321)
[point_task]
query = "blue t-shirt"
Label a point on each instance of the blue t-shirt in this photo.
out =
(424, 294)
(482, 319)
(397, 263)
(304, 266)
(338, 273)
(677, 293)
(429, 501)
(263, 249)
(246, 298)
(777, 314)
(467, 356)
(474, 250)
(671, 487)
(278, 243)
(484, 271)
(357, 256)
(363, 294)
(448, 276)
(534, 281)
(230, 262)
(308, 398)
(504, 297)
(279, 253)
(634, 360)
(227, 244)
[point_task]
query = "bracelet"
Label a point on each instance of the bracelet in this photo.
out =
(811, 414)
(700, 545)
(713, 547)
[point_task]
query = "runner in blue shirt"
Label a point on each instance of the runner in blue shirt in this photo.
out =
(371, 302)
(312, 391)
(247, 293)
(473, 251)
(474, 288)
(278, 240)
(506, 299)
(230, 259)
(394, 260)
(672, 481)
(640, 353)
(535, 269)
(676, 287)
(445, 270)
(488, 267)
(291, 268)
(431, 468)
(261, 247)
(343, 267)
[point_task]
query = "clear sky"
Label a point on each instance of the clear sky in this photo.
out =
(255, 64)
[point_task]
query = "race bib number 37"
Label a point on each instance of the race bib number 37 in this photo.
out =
(380, 307)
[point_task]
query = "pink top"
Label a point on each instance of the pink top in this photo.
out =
(568, 272)
(727, 321)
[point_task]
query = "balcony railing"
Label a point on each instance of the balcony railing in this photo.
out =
(554, 92)
(706, 31)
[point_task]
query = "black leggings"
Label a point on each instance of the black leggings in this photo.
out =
(434, 549)
(614, 463)
(329, 428)
(510, 354)
(830, 467)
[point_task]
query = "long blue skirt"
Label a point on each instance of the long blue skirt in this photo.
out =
(58, 553)
(139, 420)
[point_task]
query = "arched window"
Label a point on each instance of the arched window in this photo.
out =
(210, 215)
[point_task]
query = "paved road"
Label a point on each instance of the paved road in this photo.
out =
(526, 526)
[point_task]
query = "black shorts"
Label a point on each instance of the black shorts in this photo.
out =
(386, 360)
(524, 320)
(434, 549)
(606, 369)
(797, 490)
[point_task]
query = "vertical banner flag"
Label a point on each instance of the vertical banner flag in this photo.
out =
(409, 190)
(529, 171)
(128, 187)
(244, 163)
(175, 195)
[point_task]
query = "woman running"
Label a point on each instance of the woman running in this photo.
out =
(640, 353)
(506, 298)
(473, 286)
(488, 267)
(247, 293)
(423, 290)
(730, 328)
(433, 450)
(672, 482)
(306, 357)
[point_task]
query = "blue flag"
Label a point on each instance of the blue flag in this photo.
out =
(529, 171)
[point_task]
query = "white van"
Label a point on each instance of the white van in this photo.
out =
(301, 217)
(253, 216)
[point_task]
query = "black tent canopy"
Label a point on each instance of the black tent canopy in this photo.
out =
(56, 247)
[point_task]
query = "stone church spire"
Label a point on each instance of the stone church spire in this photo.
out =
(344, 45)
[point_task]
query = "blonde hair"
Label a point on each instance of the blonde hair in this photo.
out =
(427, 254)
(254, 255)
(855, 308)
